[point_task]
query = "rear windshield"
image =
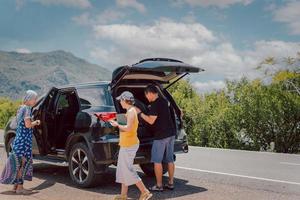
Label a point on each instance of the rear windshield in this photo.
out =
(96, 96)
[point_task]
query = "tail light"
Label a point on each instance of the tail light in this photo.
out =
(106, 116)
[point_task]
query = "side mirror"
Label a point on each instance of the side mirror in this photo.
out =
(83, 122)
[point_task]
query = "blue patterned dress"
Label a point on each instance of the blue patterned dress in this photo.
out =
(22, 148)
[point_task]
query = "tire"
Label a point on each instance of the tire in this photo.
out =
(148, 169)
(9, 145)
(81, 166)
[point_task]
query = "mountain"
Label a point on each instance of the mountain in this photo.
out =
(40, 71)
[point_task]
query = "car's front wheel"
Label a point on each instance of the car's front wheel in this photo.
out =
(148, 169)
(81, 166)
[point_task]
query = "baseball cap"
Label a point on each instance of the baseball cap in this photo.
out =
(126, 96)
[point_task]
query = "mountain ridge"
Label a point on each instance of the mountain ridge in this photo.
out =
(39, 71)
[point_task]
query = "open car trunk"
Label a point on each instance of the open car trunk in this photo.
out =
(144, 130)
(158, 71)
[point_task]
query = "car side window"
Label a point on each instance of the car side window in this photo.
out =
(62, 102)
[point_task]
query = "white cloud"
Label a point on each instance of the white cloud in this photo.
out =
(83, 19)
(209, 86)
(163, 38)
(231, 63)
(275, 48)
(83, 4)
(120, 44)
(107, 16)
(190, 18)
(23, 50)
(270, 7)
(211, 3)
(133, 4)
(289, 14)
(164, 34)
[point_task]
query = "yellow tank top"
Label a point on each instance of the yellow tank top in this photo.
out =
(129, 138)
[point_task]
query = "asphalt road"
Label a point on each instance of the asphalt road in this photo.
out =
(203, 173)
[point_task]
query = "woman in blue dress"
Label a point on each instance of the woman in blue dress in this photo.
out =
(19, 164)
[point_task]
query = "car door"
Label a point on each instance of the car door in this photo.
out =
(46, 113)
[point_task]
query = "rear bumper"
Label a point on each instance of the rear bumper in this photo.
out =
(181, 147)
(106, 152)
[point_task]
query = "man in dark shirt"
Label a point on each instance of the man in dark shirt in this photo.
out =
(160, 119)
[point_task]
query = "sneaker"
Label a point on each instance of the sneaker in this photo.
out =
(145, 196)
(156, 188)
(121, 197)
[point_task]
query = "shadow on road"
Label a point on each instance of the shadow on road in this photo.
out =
(52, 174)
(10, 192)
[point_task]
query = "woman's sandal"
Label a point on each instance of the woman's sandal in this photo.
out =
(14, 188)
(156, 188)
(120, 197)
(24, 192)
(145, 196)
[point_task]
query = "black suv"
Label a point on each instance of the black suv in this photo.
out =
(74, 120)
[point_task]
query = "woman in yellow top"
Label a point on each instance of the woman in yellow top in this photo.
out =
(129, 144)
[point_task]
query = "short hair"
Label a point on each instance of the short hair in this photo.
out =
(151, 89)
(30, 94)
(130, 102)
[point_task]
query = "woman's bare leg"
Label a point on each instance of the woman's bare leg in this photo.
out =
(20, 173)
(141, 187)
(124, 190)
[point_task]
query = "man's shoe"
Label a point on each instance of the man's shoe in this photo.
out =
(169, 186)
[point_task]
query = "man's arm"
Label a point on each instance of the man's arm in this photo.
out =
(150, 119)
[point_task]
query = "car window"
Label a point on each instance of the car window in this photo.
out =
(62, 102)
(50, 100)
(95, 96)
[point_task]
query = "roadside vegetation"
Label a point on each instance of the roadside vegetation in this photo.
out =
(8, 108)
(260, 114)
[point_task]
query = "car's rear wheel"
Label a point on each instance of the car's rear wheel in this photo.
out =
(81, 166)
(148, 169)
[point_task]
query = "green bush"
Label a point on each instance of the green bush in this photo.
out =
(8, 108)
(246, 115)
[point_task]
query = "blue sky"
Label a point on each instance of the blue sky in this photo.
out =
(228, 38)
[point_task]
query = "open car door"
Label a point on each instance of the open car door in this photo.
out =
(44, 111)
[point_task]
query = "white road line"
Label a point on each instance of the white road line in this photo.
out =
(288, 163)
(237, 175)
(243, 151)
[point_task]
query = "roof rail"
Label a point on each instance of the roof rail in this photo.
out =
(159, 59)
